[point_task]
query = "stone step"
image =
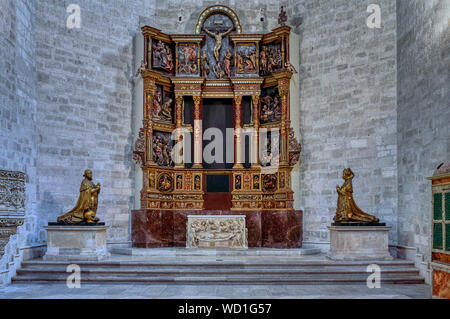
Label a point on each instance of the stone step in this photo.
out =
(204, 279)
(240, 270)
(220, 263)
(200, 270)
(183, 252)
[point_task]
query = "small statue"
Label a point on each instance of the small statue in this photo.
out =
(227, 60)
(142, 68)
(218, 71)
(289, 67)
(86, 206)
(282, 18)
(347, 210)
(205, 64)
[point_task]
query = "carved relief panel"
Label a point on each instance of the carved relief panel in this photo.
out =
(187, 59)
(270, 107)
(162, 57)
(162, 148)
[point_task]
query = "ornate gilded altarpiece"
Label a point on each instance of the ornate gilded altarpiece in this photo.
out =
(182, 74)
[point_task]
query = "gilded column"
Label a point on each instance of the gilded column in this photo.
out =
(149, 91)
(238, 131)
(198, 143)
(283, 89)
(255, 154)
(179, 162)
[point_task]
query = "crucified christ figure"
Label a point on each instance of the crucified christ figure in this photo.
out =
(218, 36)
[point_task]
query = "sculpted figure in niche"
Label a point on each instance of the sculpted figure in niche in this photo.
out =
(166, 111)
(218, 36)
(157, 100)
(86, 206)
(205, 64)
(218, 71)
(347, 210)
(227, 62)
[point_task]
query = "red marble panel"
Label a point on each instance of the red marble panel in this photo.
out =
(441, 284)
(160, 228)
(217, 201)
(282, 229)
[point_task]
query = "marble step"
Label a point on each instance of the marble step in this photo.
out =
(221, 263)
(204, 279)
(243, 270)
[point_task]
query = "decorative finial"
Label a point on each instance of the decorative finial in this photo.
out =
(282, 18)
(141, 68)
(289, 67)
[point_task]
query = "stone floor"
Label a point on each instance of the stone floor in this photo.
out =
(124, 291)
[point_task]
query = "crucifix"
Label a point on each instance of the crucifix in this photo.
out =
(218, 36)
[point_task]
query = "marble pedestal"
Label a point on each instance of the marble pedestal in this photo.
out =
(72, 243)
(359, 243)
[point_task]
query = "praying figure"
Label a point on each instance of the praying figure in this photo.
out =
(86, 206)
(347, 210)
(218, 36)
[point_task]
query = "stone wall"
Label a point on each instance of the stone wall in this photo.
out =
(85, 107)
(423, 113)
(17, 132)
(347, 110)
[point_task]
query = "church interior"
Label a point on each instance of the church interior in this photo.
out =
(225, 149)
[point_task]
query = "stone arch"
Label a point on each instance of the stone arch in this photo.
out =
(217, 9)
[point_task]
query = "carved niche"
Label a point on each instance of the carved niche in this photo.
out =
(12, 204)
(139, 147)
(294, 148)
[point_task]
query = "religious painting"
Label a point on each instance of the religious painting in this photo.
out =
(162, 56)
(269, 182)
(179, 181)
(162, 149)
(163, 105)
(197, 182)
(270, 109)
(187, 63)
(270, 59)
(165, 182)
(246, 59)
(238, 181)
(256, 182)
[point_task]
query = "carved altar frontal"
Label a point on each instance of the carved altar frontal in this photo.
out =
(216, 80)
(209, 231)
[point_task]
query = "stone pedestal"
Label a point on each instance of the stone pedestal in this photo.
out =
(359, 243)
(72, 243)
(216, 231)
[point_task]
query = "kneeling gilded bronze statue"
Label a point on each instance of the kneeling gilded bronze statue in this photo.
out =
(86, 206)
(347, 211)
